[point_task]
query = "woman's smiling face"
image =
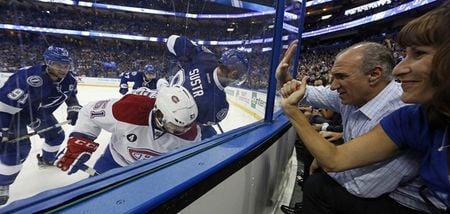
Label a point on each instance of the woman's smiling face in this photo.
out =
(414, 74)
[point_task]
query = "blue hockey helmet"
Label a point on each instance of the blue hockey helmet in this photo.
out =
(57, 54)
(235, 60)
(149, 69)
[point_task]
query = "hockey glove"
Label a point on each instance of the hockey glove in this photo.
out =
(123, 88)
(78, 151)
(4, 135)
(72, 113)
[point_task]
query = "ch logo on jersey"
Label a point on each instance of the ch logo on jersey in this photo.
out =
(131, 137)
(142, 154)
(34, 81)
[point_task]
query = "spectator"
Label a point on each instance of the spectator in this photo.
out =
(363, 92)
(422, 127)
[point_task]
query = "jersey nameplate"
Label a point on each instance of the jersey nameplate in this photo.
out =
(196, 83)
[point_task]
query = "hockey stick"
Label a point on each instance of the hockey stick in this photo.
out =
(82, 166)
(220, 128)
(38, 132)
(89, 170)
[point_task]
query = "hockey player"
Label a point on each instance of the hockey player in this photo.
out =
(28, 98)
(146, 78)
(142, 127)
(205, 77)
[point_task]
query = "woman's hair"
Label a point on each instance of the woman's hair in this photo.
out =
(430, 29)
(433, 29)
(438, 110)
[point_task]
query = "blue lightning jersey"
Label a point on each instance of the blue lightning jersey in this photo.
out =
(199, 76)
(31, 91)
(138, 78)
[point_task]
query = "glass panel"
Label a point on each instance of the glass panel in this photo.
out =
(107, 44)
(291, 24)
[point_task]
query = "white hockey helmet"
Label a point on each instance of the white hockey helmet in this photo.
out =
(178, 108)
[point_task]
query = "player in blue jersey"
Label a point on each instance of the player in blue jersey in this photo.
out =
(146, 78)
(206, 76)
(28, 98)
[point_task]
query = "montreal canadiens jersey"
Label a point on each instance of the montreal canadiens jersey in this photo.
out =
(31, 90)
(199, 76)
(133, 137)
(138, 78)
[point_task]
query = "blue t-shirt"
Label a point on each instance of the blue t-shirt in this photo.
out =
(408, 128)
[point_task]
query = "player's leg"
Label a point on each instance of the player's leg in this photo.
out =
(53, 139)
(106, 162)
(12, 156)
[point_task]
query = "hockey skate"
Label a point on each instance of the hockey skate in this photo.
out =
(4, 194)
(43, 163)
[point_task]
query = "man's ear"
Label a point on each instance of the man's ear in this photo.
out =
(375, 75)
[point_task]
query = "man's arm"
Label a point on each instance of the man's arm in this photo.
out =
(94, 117)
(367, 149)
(73, 107)
(181, 47)
(124, 82)
(14, 96)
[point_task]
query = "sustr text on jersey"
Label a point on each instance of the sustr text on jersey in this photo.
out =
(196, 83)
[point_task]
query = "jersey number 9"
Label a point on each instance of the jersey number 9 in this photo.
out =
(19, 95)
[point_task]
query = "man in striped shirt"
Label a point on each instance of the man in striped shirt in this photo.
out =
(363, 92)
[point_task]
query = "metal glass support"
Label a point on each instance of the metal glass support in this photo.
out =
(276, 47)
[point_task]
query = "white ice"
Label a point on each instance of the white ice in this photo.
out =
(33, 179)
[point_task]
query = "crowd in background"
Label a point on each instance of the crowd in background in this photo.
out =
(97, 57)
(141, 24)
(109, 58)
(138, 24)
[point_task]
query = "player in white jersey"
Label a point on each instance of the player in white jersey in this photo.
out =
(144, 124)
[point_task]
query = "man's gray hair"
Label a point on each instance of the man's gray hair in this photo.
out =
(375, 55)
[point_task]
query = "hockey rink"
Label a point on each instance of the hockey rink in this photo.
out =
(33, 180)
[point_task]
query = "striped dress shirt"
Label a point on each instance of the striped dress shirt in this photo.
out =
(377, 179)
